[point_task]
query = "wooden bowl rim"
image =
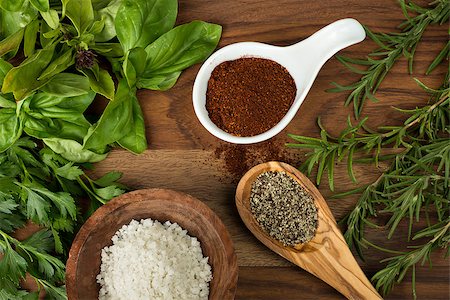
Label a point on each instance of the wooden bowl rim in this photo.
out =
(151, 195)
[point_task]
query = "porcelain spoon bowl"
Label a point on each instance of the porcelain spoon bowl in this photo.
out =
(303, 61)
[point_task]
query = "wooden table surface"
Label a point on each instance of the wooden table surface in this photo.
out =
(181, 154)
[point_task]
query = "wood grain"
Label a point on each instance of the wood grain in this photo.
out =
(291, 283)
(191, 214)
(176, 138)
(327, 255)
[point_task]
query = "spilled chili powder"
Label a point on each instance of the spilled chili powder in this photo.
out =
(238, 159)
(248, 96)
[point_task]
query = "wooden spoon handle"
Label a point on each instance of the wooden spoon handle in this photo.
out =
(334, 263)
(327, 255)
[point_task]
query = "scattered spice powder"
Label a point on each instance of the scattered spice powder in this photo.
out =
(248, 96)
(238, 159)
(283, 208)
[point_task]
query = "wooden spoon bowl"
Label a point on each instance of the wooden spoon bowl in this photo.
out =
(197, 218)
(327, 255)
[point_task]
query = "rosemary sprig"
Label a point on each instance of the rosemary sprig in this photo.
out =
(425, 123)
(392, 46)
(397, 266)
(416, 183)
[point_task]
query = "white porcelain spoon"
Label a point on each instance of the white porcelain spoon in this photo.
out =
(303, 61)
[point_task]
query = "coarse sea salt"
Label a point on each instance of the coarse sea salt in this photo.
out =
(150, 260)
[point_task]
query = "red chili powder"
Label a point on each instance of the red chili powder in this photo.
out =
(238, 159)
(248, 96)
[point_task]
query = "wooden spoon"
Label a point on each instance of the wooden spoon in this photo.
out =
(327, 255)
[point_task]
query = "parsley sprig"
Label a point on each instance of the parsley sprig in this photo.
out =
(41, 186)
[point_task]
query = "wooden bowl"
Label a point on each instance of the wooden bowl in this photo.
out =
(197, 218)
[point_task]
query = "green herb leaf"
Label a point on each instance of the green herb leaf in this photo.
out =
(41, 240)
(108, 179)
(62, 201)
(72, 150)
(67, 85)
(108, 49)
(108, 14)
(51, 17)
(11, 22)
(10, 127)
(62, 62)
(4, 69)
(11, 43)
(81, 14)
(177, 50)
(22, 80)
(135, 141)
(41, 5)
(49, 116)
(69, 171)
(115, 122)
(392, 47)
(12, 265)
(103, 84)
(133, 66)
(30, 37)
(140, 22)
(11, 5)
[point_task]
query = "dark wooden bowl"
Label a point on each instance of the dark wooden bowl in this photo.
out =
(193, 215)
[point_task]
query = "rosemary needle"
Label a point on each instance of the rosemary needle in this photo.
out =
(392, 46)
(417, 182)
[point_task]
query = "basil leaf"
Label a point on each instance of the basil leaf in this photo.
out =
(108, 49)
(99, 4)
(11, 5)
(4, 69)
(137, 56)
(10, 127)
(51, 17)
(116, 120)
(161, 82)
(30, 37)
(78, 103)
(22, 80)
(43, 39)
(102, 83)
(97, 26)
(108, 14)
(6, 102)
(74, 104)
(140, 22)
(81, 14)
(133, 65)
(177, 50)
(11, 22)
(73, 151)
(67, 85)
(41, 5)
(62, 62)
(135, 141)
(11, 43)
(48, 116)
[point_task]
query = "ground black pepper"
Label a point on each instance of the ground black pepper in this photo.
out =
(248, 96)
(283, 208)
